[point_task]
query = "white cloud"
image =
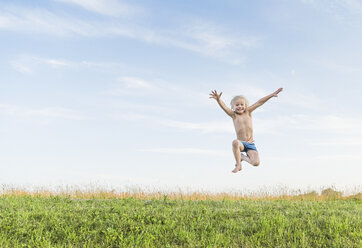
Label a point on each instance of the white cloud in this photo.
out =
(207, 127)
(338, 67)
(339, 142)
(44, 22)
(58, 63)
(327, 157)
(212, 126)
(137, 106)
(246, 88)
(106, 7)
(121, 92)
(31, 64)
(61, 113)
(332, 123)
(215, 38)
(211, 40)
(48, 112)
(337, 6)
(306, 101)
(329, 124)
(8, 109)
(135, 83)
(347, 11)
(132, 86)
(200, 37)
(340, 157)
(187, 151)
(290, 96)
(21, 67)
(354, 5)
(5, 21)
(130, 117)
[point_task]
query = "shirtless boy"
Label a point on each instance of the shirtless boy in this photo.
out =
(240, 112)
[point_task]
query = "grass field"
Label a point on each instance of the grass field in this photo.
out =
(106, 220)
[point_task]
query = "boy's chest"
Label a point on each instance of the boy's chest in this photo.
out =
(242, 120)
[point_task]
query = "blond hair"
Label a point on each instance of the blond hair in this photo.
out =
(239, 97)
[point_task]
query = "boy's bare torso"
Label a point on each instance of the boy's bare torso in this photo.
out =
(243, 126)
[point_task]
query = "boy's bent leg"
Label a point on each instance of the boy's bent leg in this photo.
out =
(237, 148)
(245, 158)
(253, 157)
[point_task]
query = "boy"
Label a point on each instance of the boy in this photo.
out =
(240, 112)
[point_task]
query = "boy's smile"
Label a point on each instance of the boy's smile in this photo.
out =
(239, 106)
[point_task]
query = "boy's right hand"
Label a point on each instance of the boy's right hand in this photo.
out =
(214, 95)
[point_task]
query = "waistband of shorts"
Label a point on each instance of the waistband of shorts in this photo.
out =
(250, 142)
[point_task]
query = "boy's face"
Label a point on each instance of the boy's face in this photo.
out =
(239, 106)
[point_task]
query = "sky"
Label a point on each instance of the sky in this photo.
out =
(115, 93)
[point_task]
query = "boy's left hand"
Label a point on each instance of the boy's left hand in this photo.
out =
(275, 94)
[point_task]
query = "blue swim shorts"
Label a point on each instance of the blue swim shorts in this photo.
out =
(248, 146)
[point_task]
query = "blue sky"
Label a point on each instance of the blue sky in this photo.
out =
(116, 92)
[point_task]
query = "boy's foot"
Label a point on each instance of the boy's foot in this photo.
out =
(237, 168)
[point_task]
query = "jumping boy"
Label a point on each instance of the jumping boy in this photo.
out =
(240, 112)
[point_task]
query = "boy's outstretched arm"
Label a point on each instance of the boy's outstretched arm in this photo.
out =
(216, 96)
(264, 100)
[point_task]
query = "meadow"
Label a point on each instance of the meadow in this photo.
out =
(109, 219)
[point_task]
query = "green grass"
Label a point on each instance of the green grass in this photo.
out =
(28, 221)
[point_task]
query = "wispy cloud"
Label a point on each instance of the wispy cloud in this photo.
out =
(42, 21)
(106, 7)
(329, 124)
(338, 67)
(187, 151)
(134, 86)
(247, 88)
(31, 64)
(328, 157)
(135, 83)
(61, 113)
(58, 63)
(197, 36)
(306, 101)
(207, 127)
(136, 106)
(212, 40)
(130, 117)
(341, 157)
(352, 6)
(21, 67)
(8, 109)
(347, 11)
(47, 112)
(356, 141)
